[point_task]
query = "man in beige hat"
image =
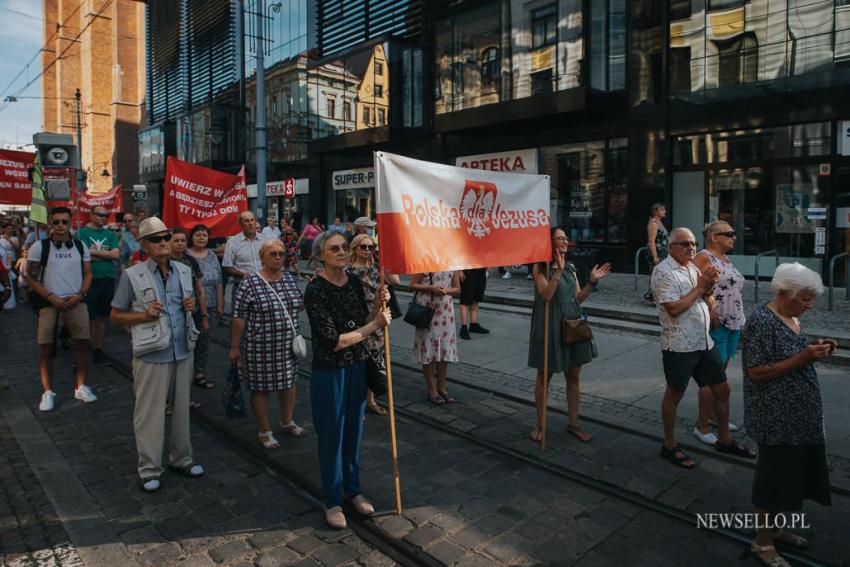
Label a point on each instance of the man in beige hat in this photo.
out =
(154, 298)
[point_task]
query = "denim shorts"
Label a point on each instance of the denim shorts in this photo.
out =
(726, 342)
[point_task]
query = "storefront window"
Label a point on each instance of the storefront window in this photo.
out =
(799, 140)
(590, 189)
(354, 203)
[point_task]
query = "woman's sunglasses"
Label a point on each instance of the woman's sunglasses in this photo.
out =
(276, 253)
(158, 239)
(335, 248)
(366, 247)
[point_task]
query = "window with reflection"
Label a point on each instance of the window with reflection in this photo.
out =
(544, 26)
(608, 44)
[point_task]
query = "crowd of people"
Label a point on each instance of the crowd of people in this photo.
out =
(164, 284)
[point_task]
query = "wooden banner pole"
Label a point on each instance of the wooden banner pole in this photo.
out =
(391, 406)
(545, 400)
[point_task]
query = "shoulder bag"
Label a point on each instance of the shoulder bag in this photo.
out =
(419, 316)
(299, 345)
(575, 330)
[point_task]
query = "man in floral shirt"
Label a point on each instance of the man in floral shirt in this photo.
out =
(680, 290)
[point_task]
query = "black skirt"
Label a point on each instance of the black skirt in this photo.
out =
(788, 474)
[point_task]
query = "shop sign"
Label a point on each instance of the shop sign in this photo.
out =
(362, 178)
(842, 217)
(518, 161)
(302, 187)
(816, 213)
(820, 241)
(825, 169)
(286, 188)
(844, 137)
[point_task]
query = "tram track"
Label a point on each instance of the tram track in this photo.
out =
(407, 554)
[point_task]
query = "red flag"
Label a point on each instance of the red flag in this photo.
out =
(199, 195)
(113, 200)
(15, 186)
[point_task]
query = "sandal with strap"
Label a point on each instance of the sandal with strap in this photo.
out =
(201, 382)
(791, 539)
(267, 440)
(375, 409)
(736, 449)
(292, 429)
(672, 455)
(775, 561)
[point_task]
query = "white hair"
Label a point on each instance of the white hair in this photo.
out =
(793, 278)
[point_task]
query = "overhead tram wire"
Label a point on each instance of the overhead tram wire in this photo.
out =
(59, 56)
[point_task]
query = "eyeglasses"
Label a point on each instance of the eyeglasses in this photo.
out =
(685, 244)
(727, 234)
(337, 247)
(276, 253)
(158, 239)
(366, 247)
(561, 239)
(60, 221)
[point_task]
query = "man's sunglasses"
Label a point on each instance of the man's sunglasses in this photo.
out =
(60, 221)
(685, 244)
(158, 239)
(335, 248)
(727, 234)
(366, 247)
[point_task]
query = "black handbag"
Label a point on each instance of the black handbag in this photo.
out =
(376, 377)
(419, 316)
(232, 397)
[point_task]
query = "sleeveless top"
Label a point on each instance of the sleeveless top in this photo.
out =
(661, 240)
(728, 300)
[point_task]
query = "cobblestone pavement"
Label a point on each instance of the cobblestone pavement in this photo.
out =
(30, 532)
(235, 515)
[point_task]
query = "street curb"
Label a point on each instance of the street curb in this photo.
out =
(82, 519)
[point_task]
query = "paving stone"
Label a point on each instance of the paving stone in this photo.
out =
(469, 538)
(335, 554)
(305, 544)
(275, 556)
(177, 526)
(229, 552)
(396, 526)
(420, 514)
(271, 538)
(424, 536)
(446, 552)
(212, 514)
(447, 522)
(197, 560)
(162, 554)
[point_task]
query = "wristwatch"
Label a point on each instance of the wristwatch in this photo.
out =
(84, 294)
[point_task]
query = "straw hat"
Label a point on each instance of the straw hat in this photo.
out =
(151, 226)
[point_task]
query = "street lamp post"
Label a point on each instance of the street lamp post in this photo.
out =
(261, 148)
(80, 182)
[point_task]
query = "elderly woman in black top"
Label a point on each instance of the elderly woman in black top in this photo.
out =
(783, 409)
(339, 320)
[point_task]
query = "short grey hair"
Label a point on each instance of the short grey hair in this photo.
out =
(681, 229)
(794, 278)
(319, 243)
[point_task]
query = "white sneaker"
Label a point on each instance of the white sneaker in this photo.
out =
(529, 277)
(708, 438)
(46, 403)
(507, 276)
(151, 485)
(732, 426)
(84, 393)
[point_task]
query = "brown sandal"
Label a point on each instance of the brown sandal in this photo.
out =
(375, 409)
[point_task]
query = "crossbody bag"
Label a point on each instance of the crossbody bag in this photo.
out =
(299, 345)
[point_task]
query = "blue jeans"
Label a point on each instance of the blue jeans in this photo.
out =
(726, 342)
(338, 401)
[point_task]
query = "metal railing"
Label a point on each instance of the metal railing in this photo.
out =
(832, 277)
(756, 270)
(637, 263)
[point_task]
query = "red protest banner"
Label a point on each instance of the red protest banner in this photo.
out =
(15, 186)
(112, 200)
(199, 195)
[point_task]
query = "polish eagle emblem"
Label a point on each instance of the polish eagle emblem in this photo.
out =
(476, 207)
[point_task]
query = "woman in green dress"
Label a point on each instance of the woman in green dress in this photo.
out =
(559, 284)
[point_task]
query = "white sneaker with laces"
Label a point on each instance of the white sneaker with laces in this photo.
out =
(507, 276)
(84, 393)
(46, 403)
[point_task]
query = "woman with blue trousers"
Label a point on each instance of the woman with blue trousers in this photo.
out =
(339, 322)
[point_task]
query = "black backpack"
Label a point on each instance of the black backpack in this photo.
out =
(36, 301)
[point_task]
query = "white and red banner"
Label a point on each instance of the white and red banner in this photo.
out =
(434, 217)
(15, 186)
(112, 200)
(199, 195)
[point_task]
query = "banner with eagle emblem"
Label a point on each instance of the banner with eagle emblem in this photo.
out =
(435, 217)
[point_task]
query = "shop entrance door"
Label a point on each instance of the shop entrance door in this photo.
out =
(689, 202)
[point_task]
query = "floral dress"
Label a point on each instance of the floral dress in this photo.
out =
(439, 342)
(728, 300)
(370, 278)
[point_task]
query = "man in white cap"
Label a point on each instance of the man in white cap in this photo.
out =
(154, 298)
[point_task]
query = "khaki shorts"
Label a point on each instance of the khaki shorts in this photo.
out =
(76, 319)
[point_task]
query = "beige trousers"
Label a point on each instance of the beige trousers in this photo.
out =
(151, 384)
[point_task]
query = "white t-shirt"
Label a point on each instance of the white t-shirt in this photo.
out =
(63, 275)
(271, 232)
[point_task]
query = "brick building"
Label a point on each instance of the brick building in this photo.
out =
(96, 46)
